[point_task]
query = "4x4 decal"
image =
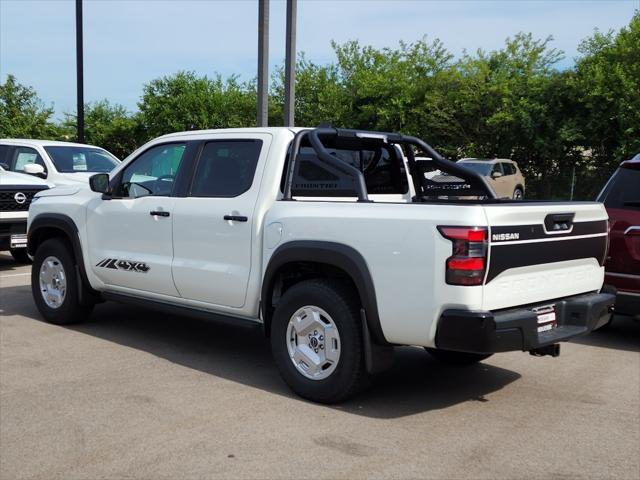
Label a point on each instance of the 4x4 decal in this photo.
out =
(127, 265)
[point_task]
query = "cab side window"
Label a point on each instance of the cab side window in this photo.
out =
(497, 168)
(153, 172)
(509, 168)
(226, 168)
(23, 156)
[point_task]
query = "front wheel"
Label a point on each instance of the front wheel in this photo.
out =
(317, 343)
(457, 358)
(20, 255)
(54, 284)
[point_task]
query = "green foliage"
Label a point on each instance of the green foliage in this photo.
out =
(110, 126)
(22, 113)
(185, 101)
(607, 85)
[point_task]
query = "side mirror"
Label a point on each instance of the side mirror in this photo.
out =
(35, 169)
(100, 183)
(496, 174)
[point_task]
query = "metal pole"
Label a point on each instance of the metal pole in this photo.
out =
(573, 181)
(79, 72)
(263, 63)
(290, 66)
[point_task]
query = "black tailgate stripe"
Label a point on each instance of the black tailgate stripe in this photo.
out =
(536, 232)
(507, 256)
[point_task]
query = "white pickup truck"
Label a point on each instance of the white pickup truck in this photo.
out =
(338, 243)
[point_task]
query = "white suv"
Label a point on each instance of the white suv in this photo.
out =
(61, 163)
(16, 194)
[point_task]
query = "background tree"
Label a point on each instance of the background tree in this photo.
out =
(185, 101)
(110, 126)
(22, 113)
(607, 85)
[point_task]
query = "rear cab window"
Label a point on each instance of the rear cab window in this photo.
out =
(226, 168)
(383, 169)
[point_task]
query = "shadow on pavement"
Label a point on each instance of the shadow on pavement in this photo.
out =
(7, 263)
(242, 354)
(622, 334)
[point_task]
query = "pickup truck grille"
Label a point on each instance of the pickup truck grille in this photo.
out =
(16, 199)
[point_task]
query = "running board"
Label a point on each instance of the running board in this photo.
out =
(181, 310)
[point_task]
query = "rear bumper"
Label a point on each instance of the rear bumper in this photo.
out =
(517, 329)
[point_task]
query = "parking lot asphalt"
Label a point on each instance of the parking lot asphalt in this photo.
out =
(137, 394)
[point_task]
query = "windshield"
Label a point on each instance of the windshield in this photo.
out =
(81, 159)
(482, 168)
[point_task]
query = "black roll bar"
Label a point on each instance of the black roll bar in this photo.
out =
(315, 135)
(314, 139)
(450, 167)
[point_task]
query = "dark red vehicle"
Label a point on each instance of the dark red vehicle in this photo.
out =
(621, 197)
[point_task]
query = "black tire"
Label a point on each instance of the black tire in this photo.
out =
(349, 376)
(70, 310)
(20, 255)
(457, 358)
(518, 194)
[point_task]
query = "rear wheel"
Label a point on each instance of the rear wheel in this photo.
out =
(20, 255)
(54, 284)
(457, 358)
(316, 340)
(518, 194)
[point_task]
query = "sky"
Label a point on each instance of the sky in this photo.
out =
(130, 42)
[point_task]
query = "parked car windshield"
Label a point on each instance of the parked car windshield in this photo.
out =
(482, 168)
(81, 159)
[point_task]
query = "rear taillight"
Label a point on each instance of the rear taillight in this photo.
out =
(469, 260)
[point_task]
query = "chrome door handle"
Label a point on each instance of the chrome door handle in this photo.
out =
(633, 231)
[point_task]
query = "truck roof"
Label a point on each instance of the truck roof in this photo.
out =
(272, 130)
(42, 143)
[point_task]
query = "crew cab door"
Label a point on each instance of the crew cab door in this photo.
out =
(130, 234)
(214, 226)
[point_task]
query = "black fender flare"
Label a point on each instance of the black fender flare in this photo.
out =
(68, 227)
(337, 255)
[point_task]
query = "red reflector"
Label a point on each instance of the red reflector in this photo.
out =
(476, 235)
(464, 233)
(471, 263)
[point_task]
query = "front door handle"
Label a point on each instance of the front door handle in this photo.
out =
(159, 213)
(236, 218)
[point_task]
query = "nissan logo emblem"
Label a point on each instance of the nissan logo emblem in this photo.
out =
(20, 198)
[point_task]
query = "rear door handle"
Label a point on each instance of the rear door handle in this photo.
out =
(159, 213)
(236, 218)
(633, 231)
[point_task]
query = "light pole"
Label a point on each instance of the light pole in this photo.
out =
(263, 64)
(290, 66)
(79, 73)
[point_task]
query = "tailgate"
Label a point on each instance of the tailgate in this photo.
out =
(543, 251)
